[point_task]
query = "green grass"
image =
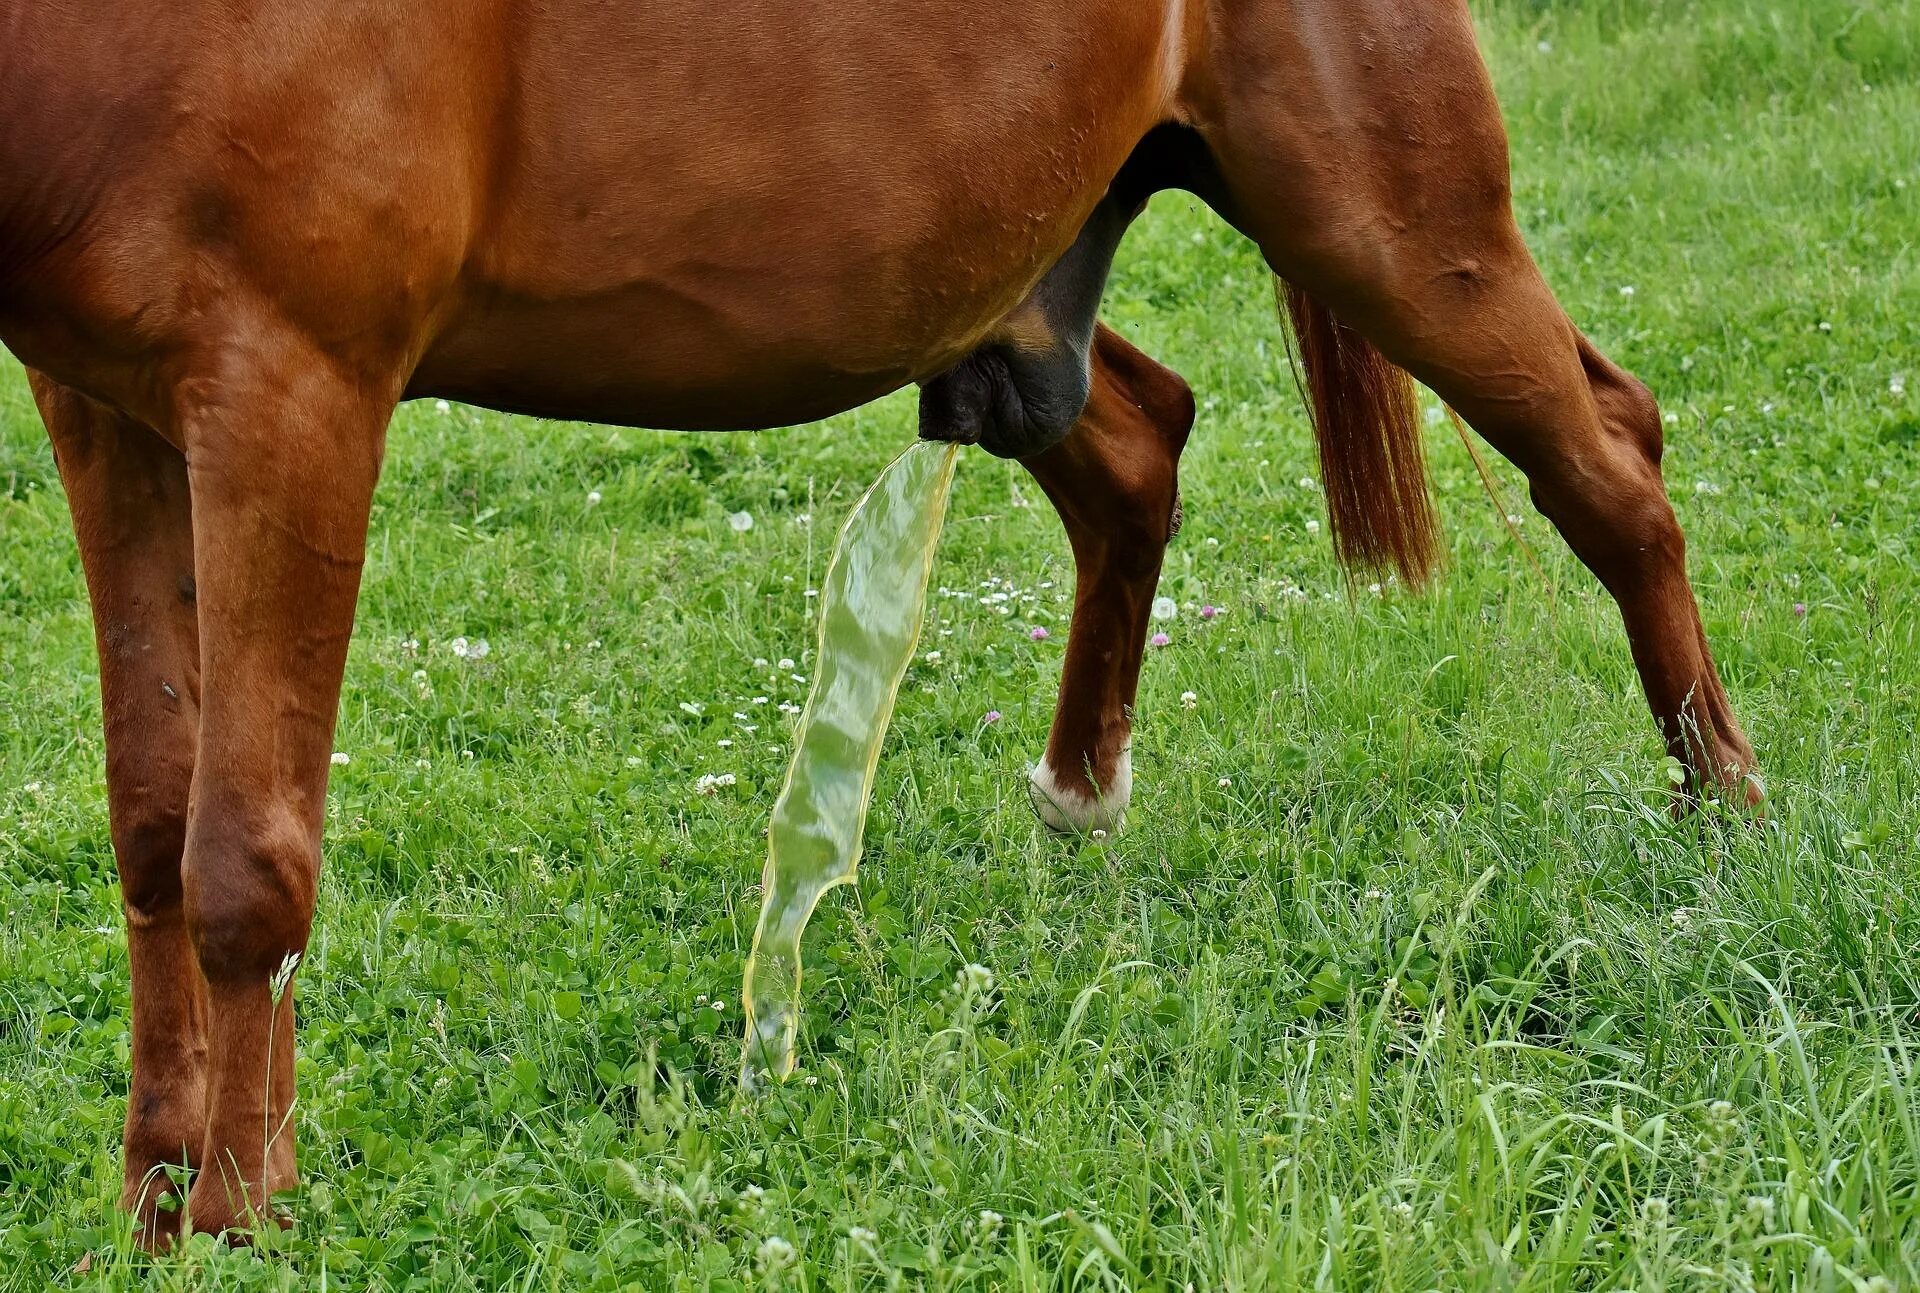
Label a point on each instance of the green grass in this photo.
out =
(1399, 978)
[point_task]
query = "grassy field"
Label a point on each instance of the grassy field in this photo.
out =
(1399, 978)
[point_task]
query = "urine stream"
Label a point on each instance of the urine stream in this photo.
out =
(871, 606)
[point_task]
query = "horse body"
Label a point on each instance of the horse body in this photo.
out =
(235, 233)
(604, 212)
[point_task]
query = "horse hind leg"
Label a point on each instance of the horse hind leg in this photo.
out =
(127, 491)
(1393, 212)
(1114, 482)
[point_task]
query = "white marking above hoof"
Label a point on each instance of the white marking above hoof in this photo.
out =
(1070, 810)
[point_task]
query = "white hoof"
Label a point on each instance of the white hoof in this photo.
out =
(1070, 810)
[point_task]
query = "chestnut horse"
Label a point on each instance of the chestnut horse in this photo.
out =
(234, 234)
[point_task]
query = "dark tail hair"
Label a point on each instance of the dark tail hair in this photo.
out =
(1366, 420)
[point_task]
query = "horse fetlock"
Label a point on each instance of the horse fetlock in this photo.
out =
(228, 1202)
(1070, 803)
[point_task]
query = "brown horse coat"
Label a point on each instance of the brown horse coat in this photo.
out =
(235, 233)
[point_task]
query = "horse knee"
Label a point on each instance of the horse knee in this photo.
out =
(249, 891)
(1119, 474)
(147, 847)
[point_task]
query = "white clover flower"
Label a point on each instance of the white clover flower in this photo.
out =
(862, 1235)
(1189, 700)
(774, 1253)
(441, 406)
(1313, 527)
(740, 521)
(1165, 608)
(593, 498)
(786, 662)
(340, 759)
(712, 783)
(976, 977)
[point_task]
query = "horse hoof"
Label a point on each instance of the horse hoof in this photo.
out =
(1069, 810)
(1738, 793)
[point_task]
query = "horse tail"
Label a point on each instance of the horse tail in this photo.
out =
(1366, 422)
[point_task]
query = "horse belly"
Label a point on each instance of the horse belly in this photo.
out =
(822, 207)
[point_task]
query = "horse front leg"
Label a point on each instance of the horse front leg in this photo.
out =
(284, 445)
(127, 490)
(1114, 481)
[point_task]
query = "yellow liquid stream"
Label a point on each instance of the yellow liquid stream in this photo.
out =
(871, 606)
